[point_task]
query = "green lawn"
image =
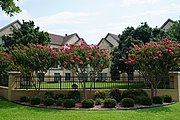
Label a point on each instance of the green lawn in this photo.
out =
(11, 111)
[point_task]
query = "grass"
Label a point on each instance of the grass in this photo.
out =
(11, 111)
(97, 85)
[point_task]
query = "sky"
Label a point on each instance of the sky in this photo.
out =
(93, 19)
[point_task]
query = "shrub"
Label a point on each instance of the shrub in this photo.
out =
(167, 98)
(35, 101)
(74, 95)
(68, 103)
(99, 101)
(48, 94)
(59, 102)
(143, 100)
(60, 95)
(133, 93)
(116, 94)
(24, 99)
(100, 94)
(48, 101)
(88, 103)
(110, 103)
(127, 102)
(157, 100)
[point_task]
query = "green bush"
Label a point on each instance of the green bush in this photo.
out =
(133, 93)
(74, 95)
(60, 95)
(24, 99)
(115, 94)
(59, 102)
(48, 101)
(48, 94)
(99, 101)
(157, 100)
(35, 101)
(88, 103)
(100, 94)
(110, 103)
(167, 98)
(143, 100)
(127, 102)
(69, 103)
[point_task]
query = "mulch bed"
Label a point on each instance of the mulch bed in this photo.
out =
(96, 107)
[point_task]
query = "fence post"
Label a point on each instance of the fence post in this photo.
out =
(60, 81)
(12, 83)
(175, 77)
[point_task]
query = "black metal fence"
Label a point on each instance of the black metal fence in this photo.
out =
(4, 80)
(61, 82)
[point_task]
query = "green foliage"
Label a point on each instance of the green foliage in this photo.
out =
(174, 31)
(127, 102)
(143, 100)
(157, 100)
(49, 94)
(167, 98)
(48, 101)
(100, 94)
(9, 7)
(99, 101)
(110, 103)
(74, 95)
(24, 99)
(5, 62)
(59, 96)
(59, 101)
(35, 101)
(88, 103)
(26, 34)
(115, 93)
(69, 103)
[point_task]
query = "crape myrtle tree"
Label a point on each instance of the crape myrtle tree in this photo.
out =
(36, 59)
(83, 59)
(140, 35)
(9, 7)
(26, 34)
(154, 60)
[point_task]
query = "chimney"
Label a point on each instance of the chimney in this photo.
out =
(66, 35)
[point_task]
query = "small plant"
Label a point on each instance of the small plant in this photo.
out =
(116, 94)
(88, 103)
(157, 100)
(48, 94)
(74, 95)
(24, 99)
(133, 94)
(99, 101)
(69, 103)
(59, 102)
(110, 103)
(167, 98)
(48, 101)
(60, 95)
(145, 100)
(100, 94)
(127, 102)
(35, 101)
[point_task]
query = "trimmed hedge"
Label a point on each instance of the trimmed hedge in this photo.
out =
(24, 99)
(145, 100)
(100, 94)
(48, 101)
(127, 102)
(157, 100)
(59, 102)
(35, 101)
(167, 98)
(115, 94)
(110, 103)
(88, 103)
(69, 103)
(99, 101)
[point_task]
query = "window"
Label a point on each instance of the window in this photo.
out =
(56, 77)
(67, 76)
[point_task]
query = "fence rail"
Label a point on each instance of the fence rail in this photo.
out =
(61, 82)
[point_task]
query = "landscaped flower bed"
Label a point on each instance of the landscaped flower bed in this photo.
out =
(128, 99)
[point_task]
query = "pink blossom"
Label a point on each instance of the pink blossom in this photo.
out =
(164, 63)
(43, 60)
(98, 54)
(101, 65)
(61, 49)
(92, 57)
(36, 54)
(178, 59)
(65, 63)
(67, 55)
(87, 59)
(150, 53)
(2, 59)
(72, 61)
(80, 62)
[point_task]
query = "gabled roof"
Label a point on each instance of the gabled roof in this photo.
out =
(11, 24)
(103, 39)
(62, 40)
(169, 20)
(112, 35)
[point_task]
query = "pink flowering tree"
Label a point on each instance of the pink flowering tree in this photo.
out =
(83, 58)
(154, 60)
(34, 59)
(5, 61)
